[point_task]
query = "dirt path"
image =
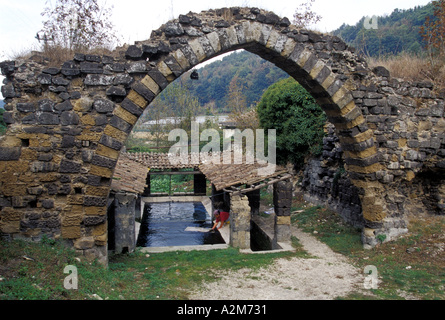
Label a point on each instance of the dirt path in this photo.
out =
(325, 277)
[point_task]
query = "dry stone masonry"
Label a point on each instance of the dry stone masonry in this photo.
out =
(325, 182)
(68, 123)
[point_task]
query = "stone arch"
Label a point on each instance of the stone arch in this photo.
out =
(67, 125)
(323, 64)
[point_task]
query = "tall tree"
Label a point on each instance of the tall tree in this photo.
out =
(184, 104)
(237, 99)
(159, 112)
(78, 25)
(433, 31)
(288, 108)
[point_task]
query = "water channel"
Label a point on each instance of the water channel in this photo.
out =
(167, 224)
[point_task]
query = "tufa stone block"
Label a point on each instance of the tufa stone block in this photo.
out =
(67, 166)
(10, 153)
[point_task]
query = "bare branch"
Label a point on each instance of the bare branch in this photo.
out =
(79, 25)
(304, 16)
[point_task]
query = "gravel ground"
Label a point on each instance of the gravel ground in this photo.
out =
(325, 277)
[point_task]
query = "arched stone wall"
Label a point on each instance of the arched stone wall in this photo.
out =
(68, 124)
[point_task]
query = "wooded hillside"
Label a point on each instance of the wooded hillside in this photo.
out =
(253, 74)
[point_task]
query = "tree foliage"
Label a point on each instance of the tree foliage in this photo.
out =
(78, 25)
(2, 123)
(214, 85)
(178, 102)
(433, 31)
(237, 99)
(287, 107)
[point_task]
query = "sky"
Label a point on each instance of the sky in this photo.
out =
(134, 20)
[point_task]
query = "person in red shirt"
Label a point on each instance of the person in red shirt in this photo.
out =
(220, 217)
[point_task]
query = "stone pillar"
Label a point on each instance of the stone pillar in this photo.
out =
(124, 222)
(240, 222)
(254, 201)
(200, 184)
(282, 196)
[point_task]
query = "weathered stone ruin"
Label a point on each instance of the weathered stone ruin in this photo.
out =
(67, 125)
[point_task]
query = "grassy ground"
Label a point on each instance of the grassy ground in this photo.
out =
(36, 271)
(411, 267)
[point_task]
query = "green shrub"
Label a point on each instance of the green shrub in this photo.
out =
(287, 107)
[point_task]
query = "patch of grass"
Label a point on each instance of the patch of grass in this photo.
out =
(411, 267)
(171, 275)
(299, 249)
(134, 276)
(329, 227)
(33, 271)
(266, 197)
